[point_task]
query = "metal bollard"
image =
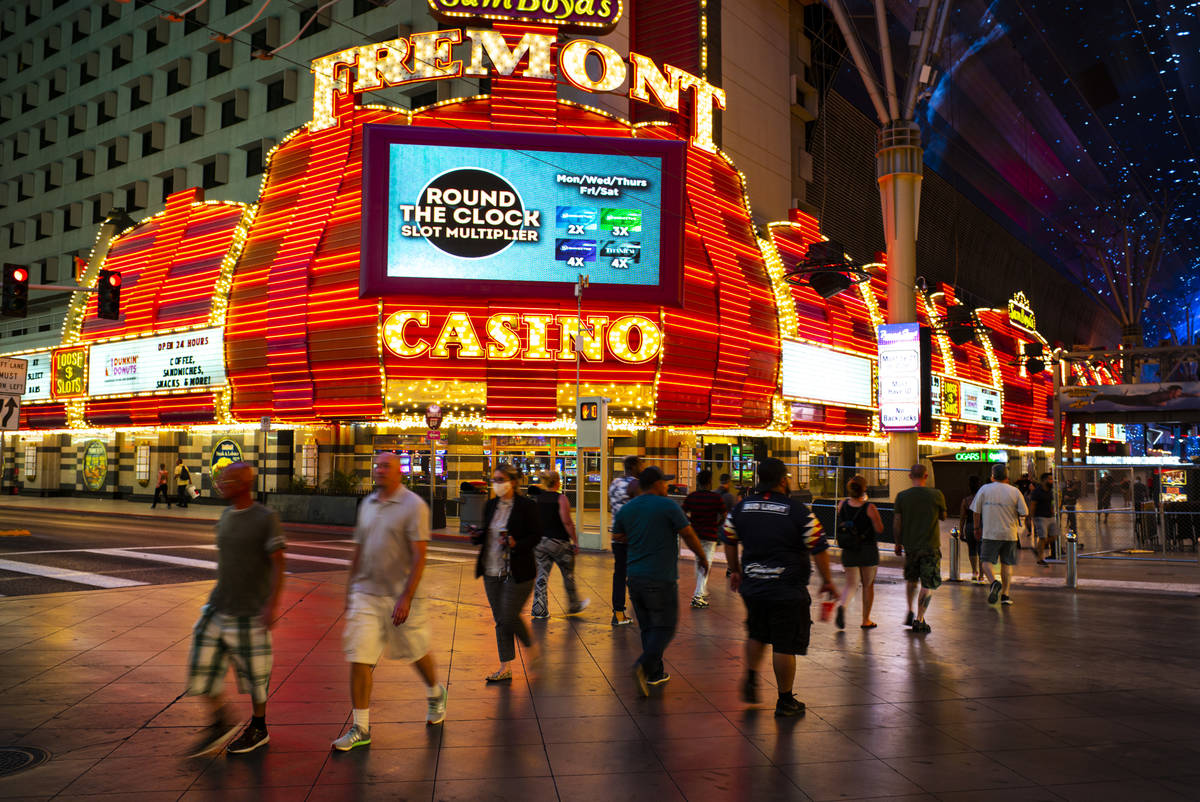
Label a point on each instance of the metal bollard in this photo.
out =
(1072, 559)
(954, 549)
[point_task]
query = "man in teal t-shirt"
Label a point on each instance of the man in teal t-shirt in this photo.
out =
(918, 511)
(649, 524)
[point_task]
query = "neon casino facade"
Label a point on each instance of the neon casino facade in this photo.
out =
(314, 327)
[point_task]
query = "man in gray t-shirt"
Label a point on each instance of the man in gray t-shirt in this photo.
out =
(998, 509)
(384, 614)
(235, 623)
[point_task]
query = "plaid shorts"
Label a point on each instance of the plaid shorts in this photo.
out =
(218, 638)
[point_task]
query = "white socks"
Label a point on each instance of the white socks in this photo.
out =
(362, 718)
(433, 690)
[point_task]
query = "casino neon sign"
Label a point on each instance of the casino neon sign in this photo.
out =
(411, 333)
(430, 57)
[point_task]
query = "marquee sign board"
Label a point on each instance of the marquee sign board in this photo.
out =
(190, 360)
(583, 15)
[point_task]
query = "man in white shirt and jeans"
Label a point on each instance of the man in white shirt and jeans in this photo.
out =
(998, 509)
(383, 613)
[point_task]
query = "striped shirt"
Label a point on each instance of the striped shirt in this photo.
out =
(705, 509)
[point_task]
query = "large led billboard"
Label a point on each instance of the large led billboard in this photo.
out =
(454, 212)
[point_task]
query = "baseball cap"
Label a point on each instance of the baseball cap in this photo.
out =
(650, 475)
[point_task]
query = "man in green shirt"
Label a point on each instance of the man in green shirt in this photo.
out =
(918, 511)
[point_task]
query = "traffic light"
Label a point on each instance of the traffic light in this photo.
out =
(108, 292)
(15, 301)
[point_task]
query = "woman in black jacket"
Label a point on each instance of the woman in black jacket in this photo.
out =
(511, 530)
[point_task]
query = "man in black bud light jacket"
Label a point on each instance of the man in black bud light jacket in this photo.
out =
(777, 534)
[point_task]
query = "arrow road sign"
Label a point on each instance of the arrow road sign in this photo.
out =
(10, 412)
(12, 375)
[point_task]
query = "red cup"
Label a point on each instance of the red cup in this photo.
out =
(826, 609)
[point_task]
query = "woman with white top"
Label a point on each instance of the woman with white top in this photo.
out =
(511, 530)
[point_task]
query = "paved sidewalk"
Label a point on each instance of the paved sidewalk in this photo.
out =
(1062, 696)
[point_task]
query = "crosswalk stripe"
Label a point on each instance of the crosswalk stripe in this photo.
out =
(80, 577)
(169, 559)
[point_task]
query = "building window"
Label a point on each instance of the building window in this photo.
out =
(141, 92)
(49, 276)
(31, 461)
(106, 107)
(363, 6)
(254, 159)
(117, 151)
(281, 90)
(316, 22)
(191, 124)
(142, 464)
(179, 76)
(76, 121)
(214, 172)
(52, 176)
(308, 463)
(48, 133)
(122, 52)
(110, 12)
(81, 26)
(89, 68)
(57, 85)
(136, 195)
(72, 216)
(152, 138)
(85, 164)
(157, 35)
(219, 59)
(234, 107)
(232, 6)
(264, 38)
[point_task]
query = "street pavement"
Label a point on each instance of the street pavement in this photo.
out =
(1063, 696)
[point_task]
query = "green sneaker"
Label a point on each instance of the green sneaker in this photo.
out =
(355, 736)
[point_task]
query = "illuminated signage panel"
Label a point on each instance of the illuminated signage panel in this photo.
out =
(521, 215)
(579, 14)
(819, 374)
(979, 404)
(37, 377)
(191, 360)
(900, 376)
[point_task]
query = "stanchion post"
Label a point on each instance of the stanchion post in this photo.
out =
(954, 554)
(1073, 561)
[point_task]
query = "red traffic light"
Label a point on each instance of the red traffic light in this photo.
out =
(114, 279)
(20, 275)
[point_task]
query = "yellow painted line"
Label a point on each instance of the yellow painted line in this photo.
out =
(13, 532)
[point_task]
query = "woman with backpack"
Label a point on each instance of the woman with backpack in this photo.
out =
(857, 529)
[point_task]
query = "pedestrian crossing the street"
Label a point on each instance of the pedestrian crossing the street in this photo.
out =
(73, 569)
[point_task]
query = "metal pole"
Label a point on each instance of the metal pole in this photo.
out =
(954, 554)
(885, 53)
(1072, 560)
(850, 34)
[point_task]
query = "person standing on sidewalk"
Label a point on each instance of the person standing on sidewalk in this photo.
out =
(918, 512)
(777, 534)
(650, 524)
(966, 528)
(558, 546)
(235, 624)
(182, 479)
(857, 529)
(706, 510)
(1043, 525)
(998, 507)
(161, 487)
(384, 614)
(620, 491)
(511, 532)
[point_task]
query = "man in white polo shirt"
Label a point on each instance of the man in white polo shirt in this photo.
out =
(383, 613)
(998, 508)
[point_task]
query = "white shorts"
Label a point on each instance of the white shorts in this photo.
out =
(369, 633)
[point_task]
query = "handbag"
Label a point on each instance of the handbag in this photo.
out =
(193, 492)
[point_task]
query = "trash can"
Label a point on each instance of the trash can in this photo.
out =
(471, 500)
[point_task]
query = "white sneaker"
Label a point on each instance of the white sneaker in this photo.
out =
(437, 708)
(583, 605)
(355, 736)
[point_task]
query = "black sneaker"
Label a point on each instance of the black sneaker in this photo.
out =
(921, 628)
(1005, 600)
(213, 738)
(749, 690)
(840, 617)
(789, 707)
(251, 738)
(994, 591)
(660, 678)
(908, 619)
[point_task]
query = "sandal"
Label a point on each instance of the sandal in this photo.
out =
(500, 676)
(871, 625)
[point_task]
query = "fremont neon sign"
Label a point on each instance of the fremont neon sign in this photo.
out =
(430, 57)
(409, 334)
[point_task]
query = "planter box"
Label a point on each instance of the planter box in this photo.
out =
(338, 510)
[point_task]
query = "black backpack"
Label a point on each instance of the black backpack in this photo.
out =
(183, 473)
(846, 531)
